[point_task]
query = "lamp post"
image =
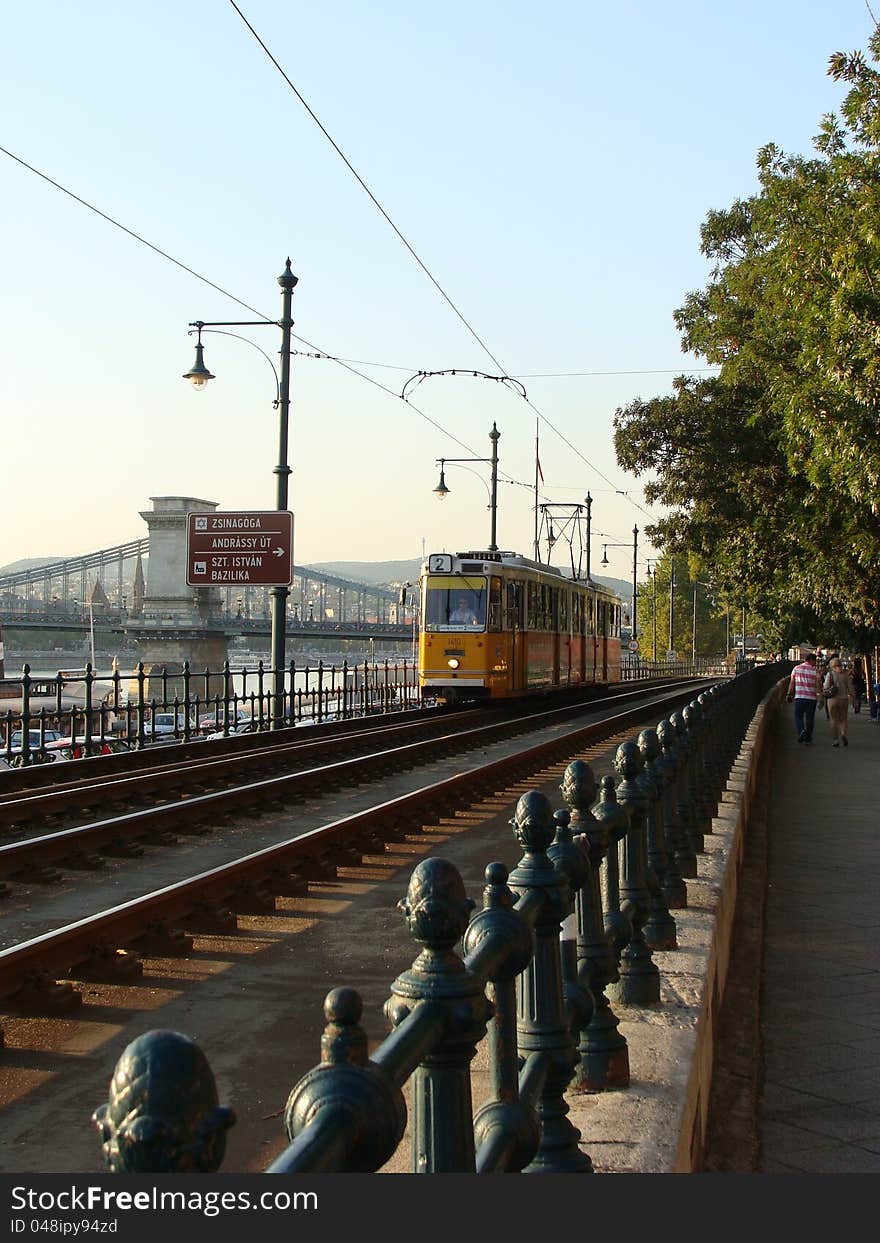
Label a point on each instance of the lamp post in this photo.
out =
(588, 501)
(694, 623)
(199, 375)
(670, 648)
(635, 548)
(441, 491)
(652, 573)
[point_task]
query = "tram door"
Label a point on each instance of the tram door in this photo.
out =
(578, 627)
(563, 633)
(514, 612)
(602, 653)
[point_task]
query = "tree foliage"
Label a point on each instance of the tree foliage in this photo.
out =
(705, 630)
(770, 471)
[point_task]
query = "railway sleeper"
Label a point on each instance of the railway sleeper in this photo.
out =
(163, 941)
(120, 848)
(42, 994)
(252, 898)
(37, 874)
(108, 964)
(82, 861)
(160, 837)
(211, 918)
(371, 842)
(318, 867)
(287, 884)
(186, 827)
(401, 827)
(348, 856)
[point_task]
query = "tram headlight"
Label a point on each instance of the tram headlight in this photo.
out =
(453, 664)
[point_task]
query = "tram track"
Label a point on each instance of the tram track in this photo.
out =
(125, 786)
(106, 944)
(131, 785)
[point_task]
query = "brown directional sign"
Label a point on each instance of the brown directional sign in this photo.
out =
(238, 549)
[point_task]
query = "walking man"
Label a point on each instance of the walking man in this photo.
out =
(804, 688)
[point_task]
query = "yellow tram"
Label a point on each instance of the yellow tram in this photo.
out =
(495, 625)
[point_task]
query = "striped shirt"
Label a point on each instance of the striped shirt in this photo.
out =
(807, 682)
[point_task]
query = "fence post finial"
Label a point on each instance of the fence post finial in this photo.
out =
(162, 1115)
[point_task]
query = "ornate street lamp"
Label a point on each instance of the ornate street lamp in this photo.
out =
(441, 491)
(635, 548)
(199, 375)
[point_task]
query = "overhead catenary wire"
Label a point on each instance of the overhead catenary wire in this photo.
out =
(434, 281)
(316, 351)
(269, 319)
(367, 189)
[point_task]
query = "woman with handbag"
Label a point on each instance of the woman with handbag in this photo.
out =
(839, 694)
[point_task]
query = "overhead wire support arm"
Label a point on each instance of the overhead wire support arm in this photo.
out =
(416, 379)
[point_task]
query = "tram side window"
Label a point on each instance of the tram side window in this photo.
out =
(563, 611)
(513, 612)
(577, 613)
(542, 604)
(495, 598)
(533, 620)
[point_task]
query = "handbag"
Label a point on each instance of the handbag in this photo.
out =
(831, 691)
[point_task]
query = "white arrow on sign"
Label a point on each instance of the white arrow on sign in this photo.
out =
(277, 552)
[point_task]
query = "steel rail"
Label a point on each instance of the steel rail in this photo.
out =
(200, 769)
(283, 866)
(97, 767)
(122, 784)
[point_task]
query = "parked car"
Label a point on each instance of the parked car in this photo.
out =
(248, 726)
(75, 748)
(50, 735)
(16, 758)
(167, 725)
(211, 722)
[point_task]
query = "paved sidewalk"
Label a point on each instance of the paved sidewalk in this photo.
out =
(819, 1105)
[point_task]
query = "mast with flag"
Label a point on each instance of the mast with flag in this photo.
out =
(539, 474)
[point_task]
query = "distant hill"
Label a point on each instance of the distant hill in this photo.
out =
(388, 573)
(376, 573)
(27, 563)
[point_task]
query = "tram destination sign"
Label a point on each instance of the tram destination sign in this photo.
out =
(239, 549)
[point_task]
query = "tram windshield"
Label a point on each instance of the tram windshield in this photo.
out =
(455, 603)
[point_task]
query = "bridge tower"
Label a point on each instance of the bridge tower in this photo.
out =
(176, 622)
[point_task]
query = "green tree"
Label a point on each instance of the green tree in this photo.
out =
(654, 609)
(769, 471)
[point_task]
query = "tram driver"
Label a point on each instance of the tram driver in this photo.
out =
(463, 613)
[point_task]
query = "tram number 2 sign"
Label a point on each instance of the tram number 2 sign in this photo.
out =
(239, 549)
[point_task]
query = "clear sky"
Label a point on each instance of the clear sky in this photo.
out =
(551, 164)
